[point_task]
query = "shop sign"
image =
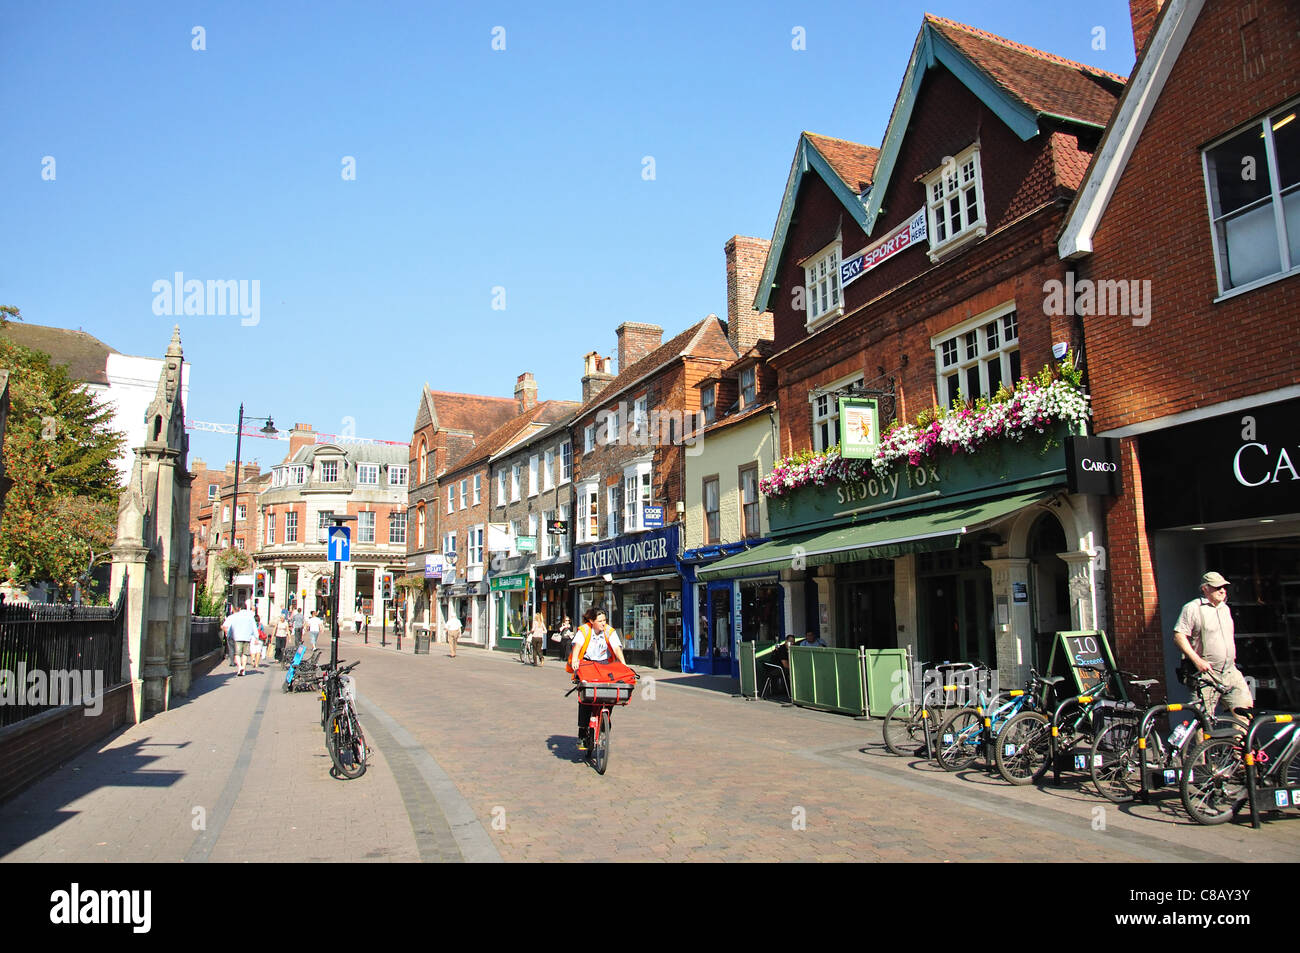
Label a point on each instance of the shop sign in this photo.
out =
(557, 527)
(996, 470)
(433, 566)
(859, 427)
(1236, 466)
(904, 236)
(508, 583)
(1092, 466)
(652, 517)
(526, 544)
(656, 549)
(553, 577)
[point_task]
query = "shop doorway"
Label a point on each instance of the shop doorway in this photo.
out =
(1051, 583)
(865, 608)
(955, 605)
(715, 641)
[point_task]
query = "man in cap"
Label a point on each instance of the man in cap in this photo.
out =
(1204, 634)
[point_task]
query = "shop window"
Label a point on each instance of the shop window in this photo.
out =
(956, 207)
(1253, 182)
(978, 357)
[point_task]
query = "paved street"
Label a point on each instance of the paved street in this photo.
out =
(476, 760)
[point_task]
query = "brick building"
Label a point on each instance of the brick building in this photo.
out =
(630, 438)
(912, 275)
(1187, 230)
(211, 499)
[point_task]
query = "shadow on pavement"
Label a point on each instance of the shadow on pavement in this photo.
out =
(565, 747)
(26, 817)
(713, 683)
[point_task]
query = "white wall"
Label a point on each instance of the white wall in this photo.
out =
(132, 384)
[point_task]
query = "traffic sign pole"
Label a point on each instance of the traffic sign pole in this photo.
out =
(338, 546)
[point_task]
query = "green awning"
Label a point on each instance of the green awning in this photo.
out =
(882, 539)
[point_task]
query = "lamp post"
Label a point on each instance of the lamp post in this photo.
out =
(269, 429)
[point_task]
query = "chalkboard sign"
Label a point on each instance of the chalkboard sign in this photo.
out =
(1076, 653)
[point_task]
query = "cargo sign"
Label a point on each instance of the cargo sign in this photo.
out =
(902, 237)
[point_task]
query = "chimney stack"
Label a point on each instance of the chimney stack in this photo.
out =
(596, 375)
(300, 436)
(635, 341)
(1143, 13)
(526, 392)
(745, 260)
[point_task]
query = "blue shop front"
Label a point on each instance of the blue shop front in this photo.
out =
(636, 579)
(728, 611)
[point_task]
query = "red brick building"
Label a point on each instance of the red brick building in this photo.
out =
(913, 274)
(1187, 229)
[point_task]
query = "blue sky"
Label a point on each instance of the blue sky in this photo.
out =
(475, 170)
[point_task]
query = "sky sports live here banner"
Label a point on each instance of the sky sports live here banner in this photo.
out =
(901, 238)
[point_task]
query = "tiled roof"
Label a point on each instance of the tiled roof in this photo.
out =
(852, 161)
(545, 413)
(85, 357)
(683, 344)
(473, 412)
(1044, 82)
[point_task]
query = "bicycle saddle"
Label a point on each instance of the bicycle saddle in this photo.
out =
(1052, 680)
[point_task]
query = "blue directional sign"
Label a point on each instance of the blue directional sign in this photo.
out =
(340, 544)
(652, 517)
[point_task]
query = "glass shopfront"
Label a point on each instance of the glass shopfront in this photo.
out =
(761, 610)
(954, 594)
(865, 610)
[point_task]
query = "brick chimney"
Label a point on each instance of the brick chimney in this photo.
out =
(596, 375)
(635, 341)
(745, 260)
(526, 392)
(1143, 13)
(300, 436)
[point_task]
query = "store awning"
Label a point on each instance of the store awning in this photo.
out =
(882, 539)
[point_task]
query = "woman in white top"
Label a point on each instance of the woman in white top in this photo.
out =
(602, 642)
(538, 635)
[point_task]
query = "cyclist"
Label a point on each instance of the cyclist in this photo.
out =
(595, 641)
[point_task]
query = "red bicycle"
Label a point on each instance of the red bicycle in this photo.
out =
(602, 697)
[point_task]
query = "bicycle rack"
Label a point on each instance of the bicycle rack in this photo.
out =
(1157, 775)
(1072, 760)
(1283, 796)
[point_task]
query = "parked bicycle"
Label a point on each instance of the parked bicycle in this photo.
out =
(1214, 785)
(914, 723)
(971, 731)
(344, 739)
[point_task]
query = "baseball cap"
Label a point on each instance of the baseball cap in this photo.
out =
(1214, 580)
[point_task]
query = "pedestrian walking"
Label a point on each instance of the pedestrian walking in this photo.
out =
(452, 627)
(228, 635)
(281, 635)
(297, 628)
(356, 620)
(313, 629)
(243, 626)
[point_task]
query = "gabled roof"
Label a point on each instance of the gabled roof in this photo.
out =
(1161, 52)
(847, 169)
(684, 345)
(1020, 84)
(85, 356)
(537, 417)
(474, 413)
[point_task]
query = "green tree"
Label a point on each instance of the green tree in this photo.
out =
(61, 513)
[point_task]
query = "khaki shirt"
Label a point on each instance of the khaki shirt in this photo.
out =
(1210, 631)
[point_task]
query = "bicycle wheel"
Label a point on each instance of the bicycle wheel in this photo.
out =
(904, 729)
(1213, 785)
(1115, 760)
(960, 739)
(600, 755)
(1023, 747)
(348, 748)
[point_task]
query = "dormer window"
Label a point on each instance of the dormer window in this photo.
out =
(822, 284)
(748, 388)
(708, 403)
(954, 199)
(329, 471)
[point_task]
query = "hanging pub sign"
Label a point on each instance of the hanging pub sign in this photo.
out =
(557, 527)
(859, 427)
(1092, 465)
(904, 236)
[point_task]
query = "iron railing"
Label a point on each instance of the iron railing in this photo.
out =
(53, 655)
(205, 636)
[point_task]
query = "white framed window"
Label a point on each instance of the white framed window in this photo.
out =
(397, 527)
(548, 469)
(748, 478)
(544, 537)
(212, 491)
(826, 412)
(955, 202)
(270, 529)
(516, 477)
(712, 516)
(291, 527)
(709, 403)
(323, 526)
(1255, 217)
(533, 464)
(366, 527)
(475, 546)
(566, 461)
(589, 438)
(641, 415)
(978, 356)
(298, 474)
(239, 542)
(241, 512)
(515, 533)
(588, 529)
(748, 387)
(329, 471)
(424, 460)
(225, 513)
(451, 500)
(613, 426)
(464, 493)
(478, 489)
(397, 475)
(419, 528)
(636, 495)
(367, 474)
(501, 487)
(822, 284)
(615, 510)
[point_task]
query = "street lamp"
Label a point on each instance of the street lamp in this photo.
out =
(269, 430)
